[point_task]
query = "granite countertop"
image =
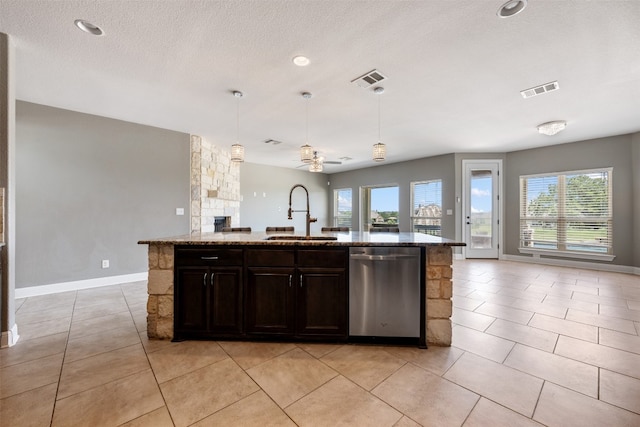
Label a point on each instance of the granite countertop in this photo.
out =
(354, 238)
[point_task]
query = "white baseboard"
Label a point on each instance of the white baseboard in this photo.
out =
(10, 337)
(577, 264)
(54, 288)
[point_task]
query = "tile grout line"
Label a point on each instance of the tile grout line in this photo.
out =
(66, 344)
(146, 355)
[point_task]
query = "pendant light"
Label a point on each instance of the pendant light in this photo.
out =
(316, 163)
(379, 149)
(237, 150)
(306, 151)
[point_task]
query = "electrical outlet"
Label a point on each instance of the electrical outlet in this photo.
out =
(105, 263)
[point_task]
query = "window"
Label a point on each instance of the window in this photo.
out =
(567, 212)
(342, 207)
(379, 206)
(426, 207)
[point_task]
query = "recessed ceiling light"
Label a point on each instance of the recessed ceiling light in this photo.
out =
(301, 61)
(88, 27)
(551, 128)
(511, 8)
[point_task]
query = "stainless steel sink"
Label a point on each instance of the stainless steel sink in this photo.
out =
(293, 237)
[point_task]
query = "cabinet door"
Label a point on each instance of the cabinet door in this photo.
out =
(191, 299)
(322, 304)
(270, 303)
(226, 301)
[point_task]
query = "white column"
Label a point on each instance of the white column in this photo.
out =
(7, 180)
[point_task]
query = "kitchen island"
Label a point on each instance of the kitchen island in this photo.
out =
(190, 275)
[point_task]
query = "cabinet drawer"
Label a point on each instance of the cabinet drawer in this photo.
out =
(270, 257)
(333, 258)
(208, 256)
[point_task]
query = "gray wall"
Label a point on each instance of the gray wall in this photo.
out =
(88, 188)
(265, 197)
(615, 152)
(402, 174)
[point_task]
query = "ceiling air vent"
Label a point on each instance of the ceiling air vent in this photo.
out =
(371, 78)
(539, 90)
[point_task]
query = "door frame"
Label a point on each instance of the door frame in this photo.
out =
(500, 201)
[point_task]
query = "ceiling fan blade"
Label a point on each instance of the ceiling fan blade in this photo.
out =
(332, 162)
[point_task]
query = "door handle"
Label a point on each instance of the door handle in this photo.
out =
(204, 279)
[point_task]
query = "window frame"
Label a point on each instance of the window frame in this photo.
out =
(366, 222)
(560, 222)
(336, 209)
(413, 218)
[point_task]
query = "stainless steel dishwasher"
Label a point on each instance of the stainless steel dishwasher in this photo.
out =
(384, 292)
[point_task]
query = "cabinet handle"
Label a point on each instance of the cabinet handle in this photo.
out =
(290, 277)
(208, 257)
(301, 280)
(204, 279)
(213, 275)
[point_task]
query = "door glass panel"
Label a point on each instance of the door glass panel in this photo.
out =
(481, 213)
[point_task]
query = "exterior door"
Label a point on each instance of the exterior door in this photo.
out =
(481, 208)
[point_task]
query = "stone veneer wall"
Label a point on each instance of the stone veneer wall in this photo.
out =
(160, 289)
(439, 291)
(215, 185)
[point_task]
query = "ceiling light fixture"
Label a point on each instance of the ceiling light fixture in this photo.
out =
(301, 61)
(237, 150)
(88, 27)
(316, 163)
(306, 151)
(379, 149)
(552, 128)
(511, 8)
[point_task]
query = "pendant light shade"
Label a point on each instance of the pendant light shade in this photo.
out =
(379, 149)
(237, 150)
(306, 153)
(379, 152)
(237, 153)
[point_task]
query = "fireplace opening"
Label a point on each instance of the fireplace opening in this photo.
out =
(220, 222)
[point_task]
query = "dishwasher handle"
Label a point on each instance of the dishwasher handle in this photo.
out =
(391, 257)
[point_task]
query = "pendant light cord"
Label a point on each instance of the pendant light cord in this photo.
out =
(238, 120)
(378, 118)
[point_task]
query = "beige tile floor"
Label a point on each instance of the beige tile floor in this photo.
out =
(532, 345)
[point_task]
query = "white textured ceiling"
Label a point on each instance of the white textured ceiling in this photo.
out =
(455, 71)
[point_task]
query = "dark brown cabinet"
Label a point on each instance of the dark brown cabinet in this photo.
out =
(322, 304)
(302, 293)
(260, 292)
(208, 293)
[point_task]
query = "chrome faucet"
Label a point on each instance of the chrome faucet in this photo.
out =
(309, 219)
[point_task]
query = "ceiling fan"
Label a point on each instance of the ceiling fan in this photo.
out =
(316, 162)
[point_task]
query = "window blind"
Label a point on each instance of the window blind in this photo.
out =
(567, 211)
(426, 207)
(342, 207)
